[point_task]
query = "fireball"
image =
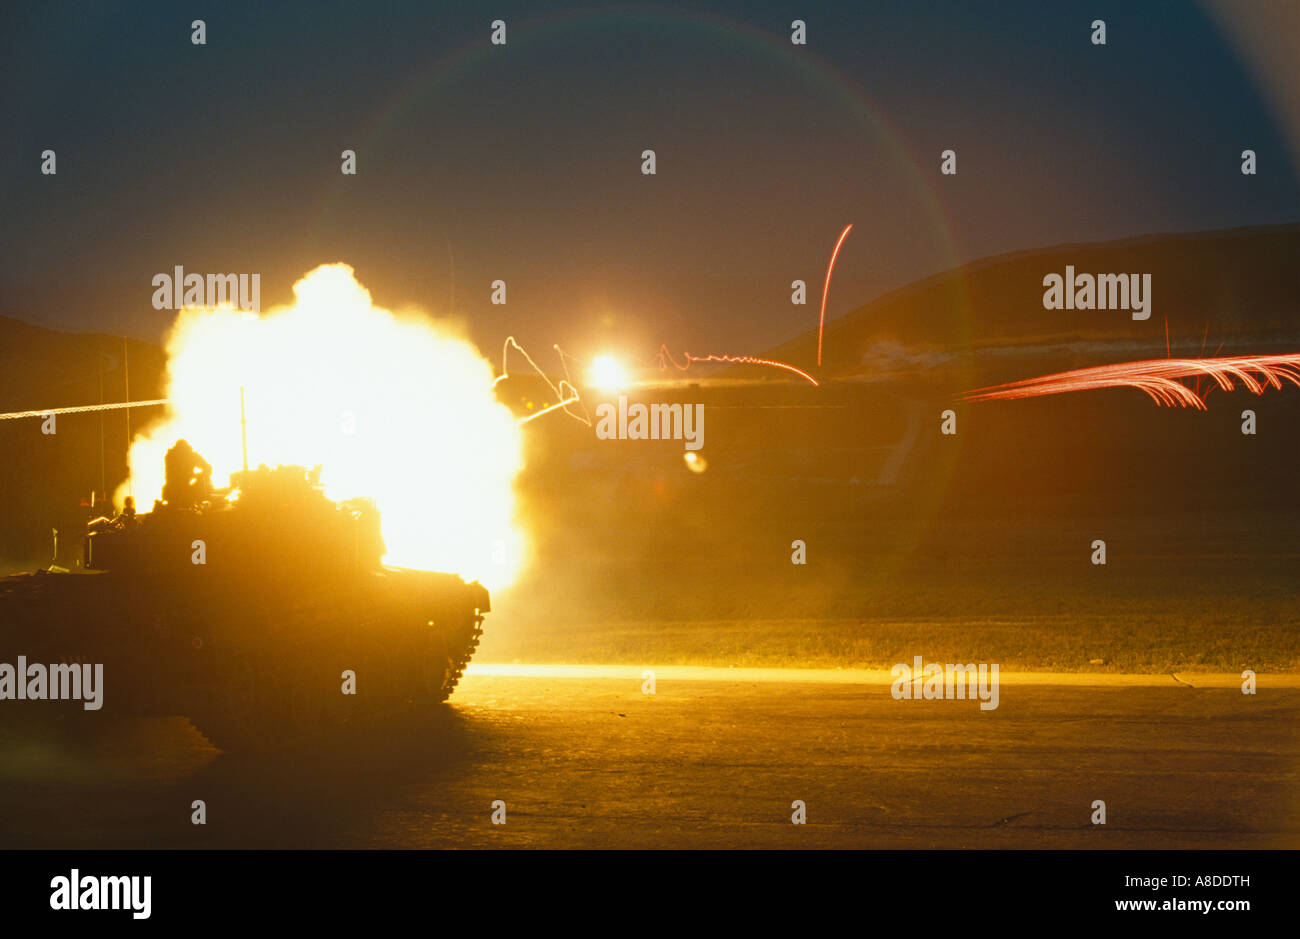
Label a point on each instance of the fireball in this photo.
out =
(397, 409)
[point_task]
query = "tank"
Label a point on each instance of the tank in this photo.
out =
(261, 612)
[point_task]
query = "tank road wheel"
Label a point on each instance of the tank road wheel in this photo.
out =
(437, 668)
(74, 722)
(450, 674)
(304, 707)
(261, 709)
(380, 689)
(374, 686)
(230, 713)
(66, 721)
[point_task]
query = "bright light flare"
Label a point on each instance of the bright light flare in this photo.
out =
(607, 373)
(695, 462)
(395, 408)
(1160, 379)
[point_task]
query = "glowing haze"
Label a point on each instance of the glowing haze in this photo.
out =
(393, 408)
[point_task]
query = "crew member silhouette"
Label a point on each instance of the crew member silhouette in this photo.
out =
(188, 478)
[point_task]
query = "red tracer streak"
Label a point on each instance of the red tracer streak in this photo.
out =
(1160, 379)
(826, 289)
(665, 357)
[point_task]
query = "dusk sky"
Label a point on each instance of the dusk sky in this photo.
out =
(477, 162)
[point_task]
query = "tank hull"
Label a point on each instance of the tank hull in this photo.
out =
(252, 663)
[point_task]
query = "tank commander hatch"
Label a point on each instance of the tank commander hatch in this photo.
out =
(188, 480)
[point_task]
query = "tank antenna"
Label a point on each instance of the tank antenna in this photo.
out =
(103, 473)
(243, 427)
(126, 380)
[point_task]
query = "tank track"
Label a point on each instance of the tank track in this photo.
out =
(459, 663)
(411, 678)
(271, 673)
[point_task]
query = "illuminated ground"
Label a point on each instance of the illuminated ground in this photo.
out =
(713, 761)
